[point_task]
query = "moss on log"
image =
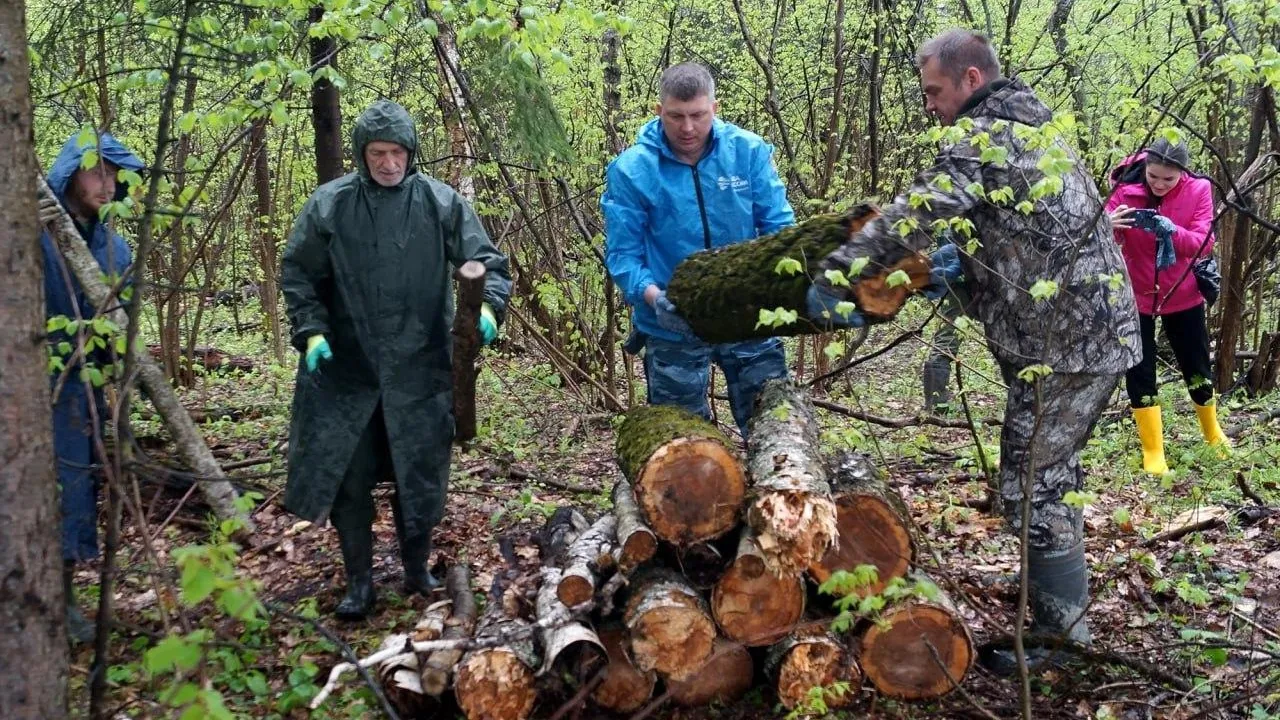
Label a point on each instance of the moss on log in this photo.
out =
(687, 479)
(721, 292)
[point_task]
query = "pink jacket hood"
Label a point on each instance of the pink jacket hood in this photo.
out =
(1189, 204)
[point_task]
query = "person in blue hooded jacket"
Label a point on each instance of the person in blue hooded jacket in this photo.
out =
(81, 192)
(691, 182)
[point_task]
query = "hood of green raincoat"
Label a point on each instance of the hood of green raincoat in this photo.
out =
(388, 121)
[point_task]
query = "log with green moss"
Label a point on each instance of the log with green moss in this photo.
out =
(688, 481)
(722, 291)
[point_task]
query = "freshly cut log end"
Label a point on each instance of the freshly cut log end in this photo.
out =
(688, 483)
(725, 677)
(752, 605)
(793, 529)
(721, 292)
(869, 532)
(495, 684)
(588, 558)
(671, 630)
(636, 542)
(896, 655)
(814, 658)
(878, 300)
(574, 590)
(624, 688)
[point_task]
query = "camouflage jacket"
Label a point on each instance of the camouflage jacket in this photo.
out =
(1047, 279)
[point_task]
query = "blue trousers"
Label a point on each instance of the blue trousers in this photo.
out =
(73, 431)
(677, 373)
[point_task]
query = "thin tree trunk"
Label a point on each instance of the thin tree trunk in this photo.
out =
(326, 112)
(267, 251)
(32, 633)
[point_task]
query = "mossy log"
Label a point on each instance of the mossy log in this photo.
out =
(721, 292)
(874, 525)
(753, 606)
(588, 557)
(438, 666)
(918, 648)
(636, 542)
(671, 628)
(813, 657)
(625, 687)
(559, 632)
(791, 511)
(725, 677)
(688, 481)
(498, 683)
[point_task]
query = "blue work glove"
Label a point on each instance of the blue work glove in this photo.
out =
(488, 325)
(820, 306)
(317, 350)
(945, 270)
(1162, 227)
(669, 319)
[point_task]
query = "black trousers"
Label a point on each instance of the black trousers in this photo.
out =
(1189, 338)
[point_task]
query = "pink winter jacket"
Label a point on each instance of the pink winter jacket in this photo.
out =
(1190, 206)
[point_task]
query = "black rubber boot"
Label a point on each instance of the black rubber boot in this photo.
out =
(355, 535)
(936, 378)
(1058, 596)
(414, 551)
(79, 629)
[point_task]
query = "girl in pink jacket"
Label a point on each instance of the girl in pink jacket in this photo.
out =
(1158, 202)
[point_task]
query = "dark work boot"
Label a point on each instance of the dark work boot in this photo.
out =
(79, 629)
(355, 535)
(414, 551)
(1058, 596)
(936, 378)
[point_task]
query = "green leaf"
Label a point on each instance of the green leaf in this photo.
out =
(833, 350)
(766, 318)
(1216, 656)
(198, 581)
(788, 266)
(172, 652)
(897, 278)
(835, 277)
(844, 309)
(89, 159)
(1078, 499)
(187, 122)
(1031, 373)
(856, 267)
(1043, 289)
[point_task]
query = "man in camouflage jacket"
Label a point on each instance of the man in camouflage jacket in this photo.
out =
(1048, 284)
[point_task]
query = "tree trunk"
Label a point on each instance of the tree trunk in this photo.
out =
(636, 543)
(917, 649)
(671, 630)
(725, 677)
(32, 633)
(791, 510)
(438, 666)
(752, 605)
(722, 291)
(563, 632)
(808, 658)
(688, 482)
(265, 246)
(588, 558)
(625, 688)
(874, 526)
(326, 111)
(466, 348)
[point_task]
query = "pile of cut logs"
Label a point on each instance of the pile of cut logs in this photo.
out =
(702, 581)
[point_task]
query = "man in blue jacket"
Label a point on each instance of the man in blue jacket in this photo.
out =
(691, 182)
(81, 193)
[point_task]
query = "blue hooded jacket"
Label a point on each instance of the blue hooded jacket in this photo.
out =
(658, 210)
(72, 421)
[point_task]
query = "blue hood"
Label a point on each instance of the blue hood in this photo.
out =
(68, 162)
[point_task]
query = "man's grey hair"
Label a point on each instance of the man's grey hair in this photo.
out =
(957, 50)
(685, 82)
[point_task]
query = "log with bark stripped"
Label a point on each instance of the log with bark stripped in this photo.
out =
(721, 292)
(791, 511)
(752, 605)
(625, 688)
(399, 675)
(466, 348)
(725, 677)
(588, 558)
(497, 683)
(559, 631)
(874, 525)
(671, 630)
(687, 479)
(636, 542)
(919, 647)
(437, 667)
(812, 657)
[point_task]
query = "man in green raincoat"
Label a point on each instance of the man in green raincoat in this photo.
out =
(367, 283)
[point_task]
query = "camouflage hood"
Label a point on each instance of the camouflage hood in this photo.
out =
(1010, 100)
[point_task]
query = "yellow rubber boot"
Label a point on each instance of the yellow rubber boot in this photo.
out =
(1208, 416)
(1151, 433)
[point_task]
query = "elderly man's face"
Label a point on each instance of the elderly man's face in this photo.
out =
(387, 162)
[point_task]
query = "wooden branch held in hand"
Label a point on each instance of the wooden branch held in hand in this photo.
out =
(466, 348)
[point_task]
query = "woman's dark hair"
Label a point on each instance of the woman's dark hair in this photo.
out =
(1163, 152)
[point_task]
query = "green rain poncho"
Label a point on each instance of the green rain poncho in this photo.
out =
(370, 267)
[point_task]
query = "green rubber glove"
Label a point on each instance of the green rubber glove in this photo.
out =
(317, 350)
(488, 325)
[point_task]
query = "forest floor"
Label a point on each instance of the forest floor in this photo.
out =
(1201, 610)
